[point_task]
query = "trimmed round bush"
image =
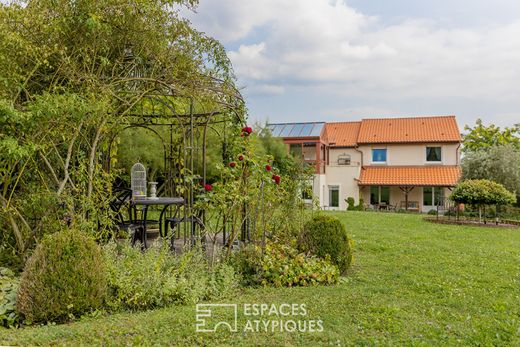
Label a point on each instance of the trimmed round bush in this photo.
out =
(64, 278)
(325, 236)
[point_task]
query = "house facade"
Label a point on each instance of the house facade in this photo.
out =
(390, 163)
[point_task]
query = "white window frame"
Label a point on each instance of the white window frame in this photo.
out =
(329, 197)
(426, 161)
(378, 162)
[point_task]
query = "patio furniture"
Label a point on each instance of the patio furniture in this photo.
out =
(412, 206)
(175, 222)
(142, 205)
(120, 199)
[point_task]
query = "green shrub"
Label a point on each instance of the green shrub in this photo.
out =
(157, 278)
(8, 289)
(282, 266)
(65, 277)
(351, 204)
(432, 212)
(361, 206)
(326, 236)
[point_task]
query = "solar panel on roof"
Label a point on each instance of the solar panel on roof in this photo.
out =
(286, 131)
(316, 130)
(276, 129)
(307, 129)
(296, 130)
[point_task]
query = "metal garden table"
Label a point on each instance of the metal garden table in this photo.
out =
(147, 202)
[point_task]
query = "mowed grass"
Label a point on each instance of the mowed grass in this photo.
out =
(413, 283)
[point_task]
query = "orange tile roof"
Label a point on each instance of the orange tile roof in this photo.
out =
(418, 129)
(342, 134)
(446, 176)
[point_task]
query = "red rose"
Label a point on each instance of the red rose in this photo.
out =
(268, 167)
(232, 164)
(247, 130)
(276, 179)
(208, 187)
(240, 157)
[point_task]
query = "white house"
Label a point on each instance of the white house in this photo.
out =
(408, 163)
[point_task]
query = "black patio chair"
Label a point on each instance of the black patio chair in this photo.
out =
(175, 222)
(121, 198)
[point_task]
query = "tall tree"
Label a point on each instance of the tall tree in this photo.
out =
(485, 136)
(498, 163)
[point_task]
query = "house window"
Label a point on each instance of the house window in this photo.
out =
(334, 196)
(438, 196)
(296, 150)
(374, 195)
(427, 196)
(379, 155)
(379, 195)
(433, 196)
(433, 154)
(344, 159)
(385, 195)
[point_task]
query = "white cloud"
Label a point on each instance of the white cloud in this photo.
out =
(311, 44)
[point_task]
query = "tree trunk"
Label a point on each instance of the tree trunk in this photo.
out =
(92, 159)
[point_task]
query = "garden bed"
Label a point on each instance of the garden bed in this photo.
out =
(471, 222)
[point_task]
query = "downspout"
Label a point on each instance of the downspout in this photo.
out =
(357, 150)
(458, 155)
(360, 168)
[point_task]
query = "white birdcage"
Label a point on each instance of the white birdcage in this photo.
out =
(138, 175)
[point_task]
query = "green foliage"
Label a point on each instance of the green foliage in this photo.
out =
(326, 236)
(144, 146)
(283, 266)
(64, 278)
(482, 192)
(270, 208)
(71, 74)
(351, 204)
(485, 137)
(432, 212)
(8, 292)
(498, 163)
(361, 206)
(156, 278)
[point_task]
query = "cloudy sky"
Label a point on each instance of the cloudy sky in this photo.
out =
(309, 60)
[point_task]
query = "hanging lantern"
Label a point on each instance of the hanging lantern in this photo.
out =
(138, 175)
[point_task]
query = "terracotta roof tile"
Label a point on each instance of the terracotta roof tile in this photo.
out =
(342, 134)
(418, 129)
(447, 176)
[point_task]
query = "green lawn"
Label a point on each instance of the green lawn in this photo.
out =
(413, 283)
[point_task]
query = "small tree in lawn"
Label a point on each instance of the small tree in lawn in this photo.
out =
(481, 193)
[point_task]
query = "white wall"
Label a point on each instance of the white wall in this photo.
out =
(334, 153)
(411, 154)
(345, 176)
